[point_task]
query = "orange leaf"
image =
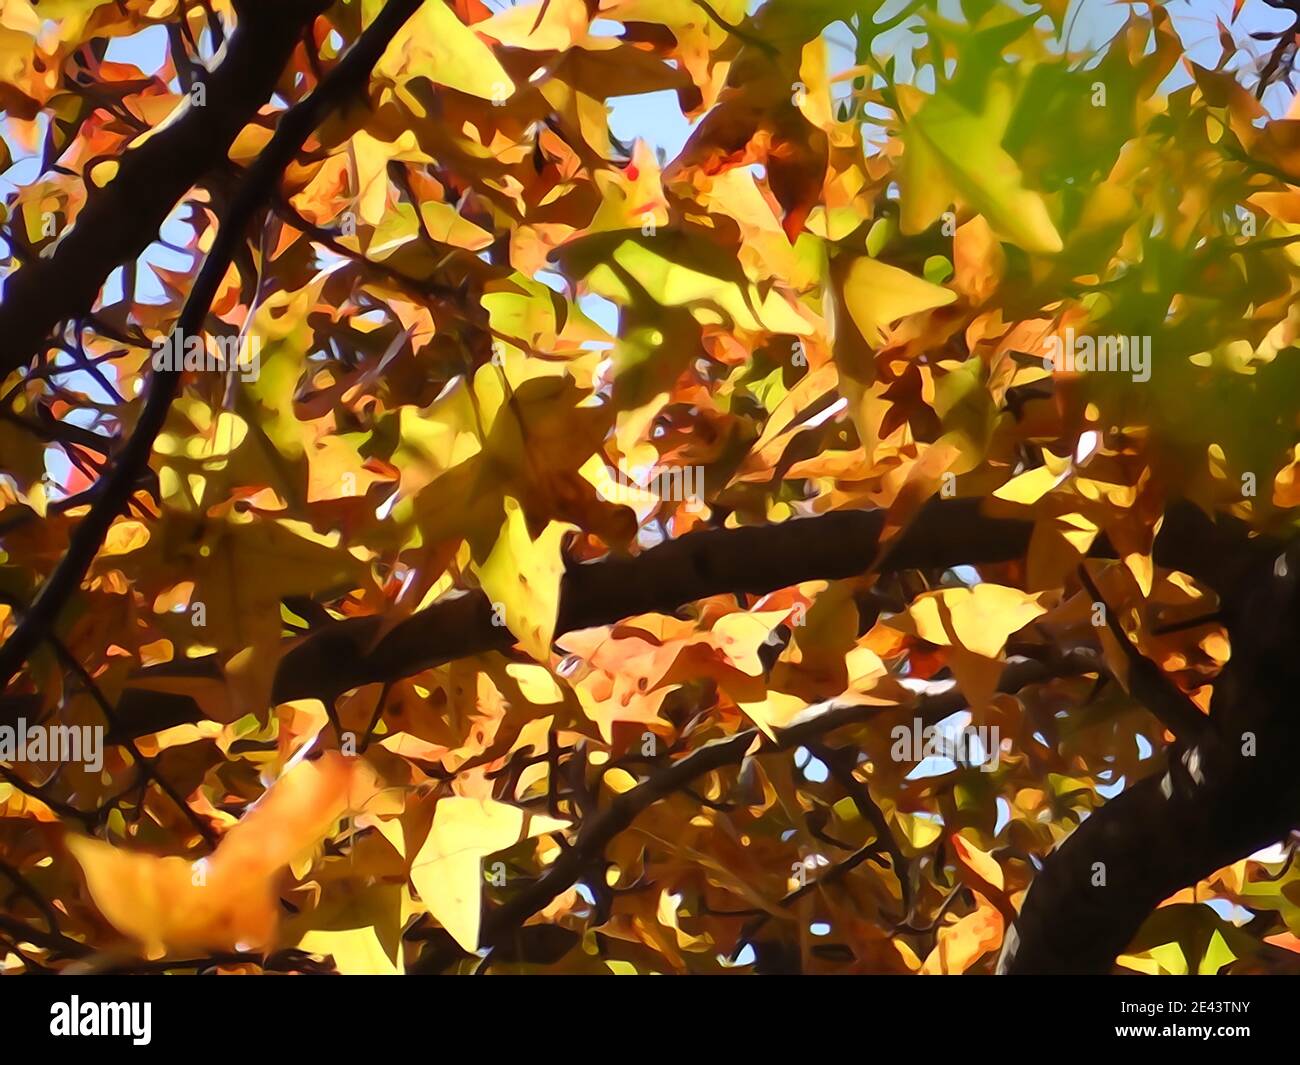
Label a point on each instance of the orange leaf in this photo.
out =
(229, 900)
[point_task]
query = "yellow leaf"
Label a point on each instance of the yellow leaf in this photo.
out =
(632, 198)
(1031, 486)
(356, 951)
(608, 699)
(981, 863)
(672, 283)
(438, 438)
(546, 25)
(373, 157)
(920, 831)
(619, 781)
(877, 294)
(976, 675)
(522, 577)
(1143, 568)
(961, 944)
(1057, 545)
(435, 44)
(448, 870)
(448, 225)
(966, 408)
(978, 260)
(1286, 485)
(978, 619)
(953, 154)
(536, 684)
(739, 636)
(774, 711)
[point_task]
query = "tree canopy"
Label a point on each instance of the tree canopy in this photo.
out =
(463, 536)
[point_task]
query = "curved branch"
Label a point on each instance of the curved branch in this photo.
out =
(755, 560)
(119, 221)
(342, 655)
(1148, 683)
(347, 78)
(1232, 793)
(841, 762)
(1090, 898)
(599, 831)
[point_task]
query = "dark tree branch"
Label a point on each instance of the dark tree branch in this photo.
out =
(347, 654)
(56, 942)
(1230, 795)
(837, 872)
(24, 887)
(1090, 898)
(119, 221)
(599, 831)
(841, 761)
(342, 85)
(147, 767)
(426, 288)
(87, 820)
(752, 560)
(47, 429)
(1149, 684)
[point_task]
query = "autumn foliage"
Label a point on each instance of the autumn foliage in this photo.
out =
(603, 560)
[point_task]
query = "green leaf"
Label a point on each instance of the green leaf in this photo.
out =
(955, 156)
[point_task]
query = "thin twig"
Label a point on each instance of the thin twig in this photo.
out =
(146, 765)
(1150, 684)
(295, 126)
(841, 762)
(600, 830)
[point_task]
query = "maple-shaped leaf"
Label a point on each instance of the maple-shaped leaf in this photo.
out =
(878, 295)
(436, 45)
(955, 155)
(975, 624)
(448, 870)
(963, 942)
(979, 619)
(522, 577)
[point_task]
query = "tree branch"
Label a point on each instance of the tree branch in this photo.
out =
(119, 221)
(1149, 684)
(599, 831)
(1232, 793)
(350, 653)
(147, 767)
(342, 84)
(754, 560)
(842, 761)
(1090, 898)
